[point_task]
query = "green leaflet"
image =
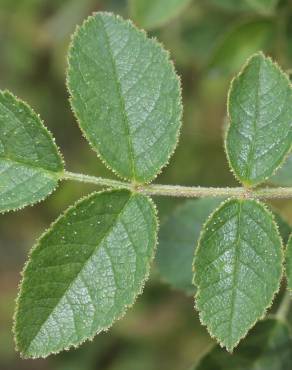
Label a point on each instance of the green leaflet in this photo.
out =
(30, 164)
(288, 263)
(151, 14)
(126, 96)
(237, 269)
(283, 177)
(267, 347)
(85, 271)
(260, 107)
(178, 237)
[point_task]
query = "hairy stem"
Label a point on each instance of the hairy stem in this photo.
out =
(200, 192)
(100, 181)
(284, 307)
(183, 191)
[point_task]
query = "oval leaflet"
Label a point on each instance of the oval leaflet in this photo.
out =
(30, 163)
(237, 269)
(259, 136)
(85, 271)
(126, 96)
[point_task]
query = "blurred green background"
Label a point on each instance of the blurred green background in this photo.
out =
(208, 41)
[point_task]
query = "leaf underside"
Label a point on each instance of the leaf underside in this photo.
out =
(260, 109)
(237, 269)
(85, 272)
(178, 237)
(30, 165)
(126, 96)
(267, 347)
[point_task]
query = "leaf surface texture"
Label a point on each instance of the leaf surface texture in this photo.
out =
(260, 109)
(126, 96)
(30, 164)
(238, 268)
(85, 271)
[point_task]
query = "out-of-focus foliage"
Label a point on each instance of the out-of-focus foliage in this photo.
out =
(260, 6)
(289, 263)
(283, 176)
(240, 42)
(274, 352)
(151, 14)
(284, 228)
(178, 238)
(208, 41)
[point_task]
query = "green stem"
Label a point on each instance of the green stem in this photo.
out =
(100, 181)
(183, 191)
(284, 307)
(200, 192)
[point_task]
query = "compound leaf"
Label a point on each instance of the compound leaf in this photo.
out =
(267, 347)
(85, 271)
(260, 107)
(151, 14)
(178, 237)
(30, 164)
(288, 263)
(126, 96)
(237, 269)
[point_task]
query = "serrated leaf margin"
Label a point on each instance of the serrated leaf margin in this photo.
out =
(47, 232)
(244, 67)
(167, 59)
(47, 132)
(267, 210)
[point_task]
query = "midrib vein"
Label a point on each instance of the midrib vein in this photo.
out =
(249, 162)
(30, 165)
(235, 276)
(24, 163)
(80, 270)
(122, 102)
